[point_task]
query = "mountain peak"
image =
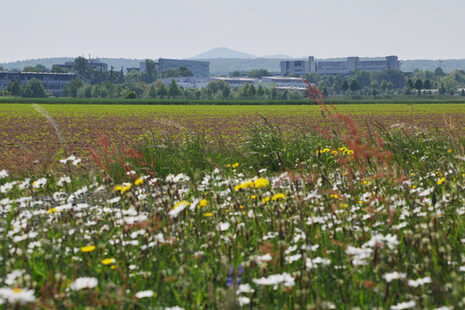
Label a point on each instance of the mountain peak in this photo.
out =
(223, 52)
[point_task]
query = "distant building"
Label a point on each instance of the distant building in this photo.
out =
(99, 66)
(199, 69)
(284, 82)
(338, 67)
(236, 82)
(53, 82)
(188, 82)
(142, 67)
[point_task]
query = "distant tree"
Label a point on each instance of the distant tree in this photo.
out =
(449, 82)
(121, 76)
(34, 89)
(153, 92)
(1, 69)
(162, 90)
(462, 93)
(150, 73)
(383, 86)
(442, 89)
(74, 85)
(236, 73)
(419, 85)
(258, 73)
(374, 88)
(183, 71)
(81, 66)
(389, 87)
(285, 95)
(438, 72)
(218, 90)
(14, 88)
(260, 91)
(345, 86)
(131, 95)
(173, 89)
(363, 78)
(274, 93)
(408, 87)
(58, 69)
(336, 87)
(354, 86)
(427, 84)
(37, 68)
(88, 91)
(325, 91)
(252, 91)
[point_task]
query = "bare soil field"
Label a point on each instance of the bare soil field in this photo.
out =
(30, 138)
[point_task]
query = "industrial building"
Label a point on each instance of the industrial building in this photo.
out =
(53, 82)
(200, 69)
(351, 64)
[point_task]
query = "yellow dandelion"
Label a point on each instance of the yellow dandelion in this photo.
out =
(138, 181)
(364, 182)
(118, 188)
(441, 180)
(265, 200)
(203, 203)
(334, 196)
(279, 196)
(253, 196)
(126, 188)
(113, 267)
(108, 261)
(243, 185)
(449, 151)
(208, 214)
(52, 210)
(87, 249)
(17, 290)
(261, 183)
(241, 207)
(235, 165)
(326, 150)
(344, 205)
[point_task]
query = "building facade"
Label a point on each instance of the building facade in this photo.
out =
(53, 82)
(338, 67)
(199, 69)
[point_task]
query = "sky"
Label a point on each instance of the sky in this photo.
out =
(411, 29)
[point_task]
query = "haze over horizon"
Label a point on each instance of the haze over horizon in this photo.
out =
(411, 29)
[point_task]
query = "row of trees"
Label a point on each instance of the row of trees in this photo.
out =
(218, 90)
(390, 82)
(32, 89)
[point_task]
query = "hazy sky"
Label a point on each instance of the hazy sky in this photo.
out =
(411, 29)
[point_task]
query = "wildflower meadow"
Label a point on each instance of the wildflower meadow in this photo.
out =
(324, 219)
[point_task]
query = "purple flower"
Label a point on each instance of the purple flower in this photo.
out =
(232, 278)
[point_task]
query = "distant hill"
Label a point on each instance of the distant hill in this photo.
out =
(223, 52)
(426, 64)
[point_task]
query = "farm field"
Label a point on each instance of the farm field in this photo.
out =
(30, 142)
(295, 217)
